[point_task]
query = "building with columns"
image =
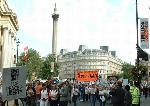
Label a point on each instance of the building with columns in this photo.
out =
(8, 29)
(89, 59)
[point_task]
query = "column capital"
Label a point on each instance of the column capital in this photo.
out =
(5, 27)
(55, 17)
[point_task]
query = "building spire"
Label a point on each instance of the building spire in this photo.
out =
(55, 9)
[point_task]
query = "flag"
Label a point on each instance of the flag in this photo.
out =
(142, 54)
(25, 58)
(144, 33)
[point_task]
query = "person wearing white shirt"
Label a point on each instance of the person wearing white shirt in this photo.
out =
(53, 94)
(93, 94)
(101, 96)
(44, 96)
(75, 93)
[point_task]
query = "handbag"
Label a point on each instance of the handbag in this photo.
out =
(102, 98)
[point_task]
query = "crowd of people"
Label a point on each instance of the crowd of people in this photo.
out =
(51, 93)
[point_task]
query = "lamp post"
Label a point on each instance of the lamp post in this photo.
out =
(137, 45)
(16, 100)
(17, 48)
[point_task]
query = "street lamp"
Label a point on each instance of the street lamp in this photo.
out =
(17, 48)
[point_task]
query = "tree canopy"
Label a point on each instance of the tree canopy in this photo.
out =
(33, 63)
(133, 72)
(39, 67)
(47, 68)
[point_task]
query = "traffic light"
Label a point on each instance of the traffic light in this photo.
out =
(142, 54)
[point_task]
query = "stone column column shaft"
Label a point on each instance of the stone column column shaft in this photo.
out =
(1, 42)
(4, 47)
(54, 41)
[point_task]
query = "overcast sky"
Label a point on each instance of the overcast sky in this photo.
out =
(88, 22)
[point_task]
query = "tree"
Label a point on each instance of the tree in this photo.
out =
(127, 71)
(34, 63)
(133, 72)
(46, 72)
(139, 72)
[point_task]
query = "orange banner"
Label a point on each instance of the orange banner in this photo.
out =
(87, 75)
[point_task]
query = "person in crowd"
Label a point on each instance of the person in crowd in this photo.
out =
(118, 94)
(38, 89)
(63, 92)
(149, 90)
(131, 87)
(136, 94)
(82, 92)
(102, 99)
(145, 91)
(86, 92)
(30, 101)
(128, 96)
(93, 90)
(75, 93)
(97, 93)
(53, 94)
(69, 90)
(44, 96)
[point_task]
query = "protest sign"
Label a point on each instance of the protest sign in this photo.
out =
(87, 75)
(14, 83)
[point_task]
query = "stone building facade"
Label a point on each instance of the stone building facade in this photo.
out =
(8, 30)
(89, 59)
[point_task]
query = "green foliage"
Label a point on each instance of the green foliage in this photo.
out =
(46, 72)
(34, 63)
(127, 71)
(41, 67)
(139, 72)
(131, 72)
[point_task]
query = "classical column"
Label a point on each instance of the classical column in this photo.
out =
(9, 57)
(15, 51)
(55, 17)
(1, 42)
(4, 47)
(12, 49)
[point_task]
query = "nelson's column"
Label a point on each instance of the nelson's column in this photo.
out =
(55, 17)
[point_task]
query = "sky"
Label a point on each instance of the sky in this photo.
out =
(93, 23)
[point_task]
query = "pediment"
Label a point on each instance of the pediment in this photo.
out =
(6, 11)
(4, 6)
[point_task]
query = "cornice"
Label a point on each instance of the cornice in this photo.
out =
(8, 13)
(12, 17)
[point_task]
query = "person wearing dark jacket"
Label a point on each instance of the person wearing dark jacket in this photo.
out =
(128, 96)
(118, 94)
(145, 91)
